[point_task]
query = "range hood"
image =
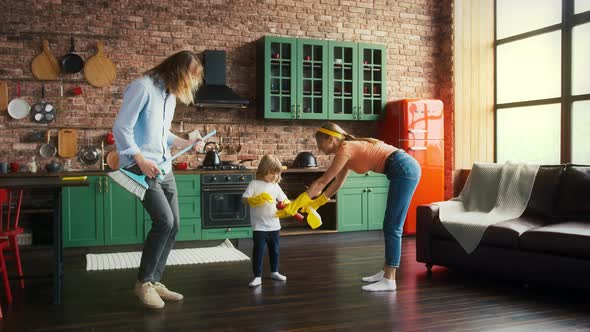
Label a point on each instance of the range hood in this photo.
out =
(214, 92)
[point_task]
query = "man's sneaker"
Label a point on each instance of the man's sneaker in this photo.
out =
(148, 295)
(165, 293)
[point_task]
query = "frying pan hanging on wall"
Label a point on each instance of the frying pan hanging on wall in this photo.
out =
(72, 63)
(43, 111)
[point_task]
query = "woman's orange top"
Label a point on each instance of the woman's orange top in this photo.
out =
(365, 156)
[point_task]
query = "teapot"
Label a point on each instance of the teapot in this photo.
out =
(212, 158)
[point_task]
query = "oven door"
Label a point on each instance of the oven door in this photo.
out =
(222, 206)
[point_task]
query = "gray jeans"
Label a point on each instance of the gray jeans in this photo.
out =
(161, 202)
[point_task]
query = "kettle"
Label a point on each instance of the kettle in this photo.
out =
(212, 158)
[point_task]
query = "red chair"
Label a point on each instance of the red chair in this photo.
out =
(4, 245)
(9, 228)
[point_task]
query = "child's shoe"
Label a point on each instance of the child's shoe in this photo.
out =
(256, 282)
(278, 276)
(147, 295)
(165, 293)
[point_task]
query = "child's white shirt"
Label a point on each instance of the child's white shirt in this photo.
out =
(263, 217)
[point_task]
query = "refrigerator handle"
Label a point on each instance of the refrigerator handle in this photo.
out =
(417, 148)
(416, 131)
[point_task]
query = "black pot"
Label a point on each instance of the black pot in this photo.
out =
(54, 166)
(212, 159)
(305, 159)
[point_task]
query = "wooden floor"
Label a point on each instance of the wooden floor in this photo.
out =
(322, 294)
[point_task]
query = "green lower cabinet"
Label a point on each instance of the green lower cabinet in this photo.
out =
(189, 205)
(351, 209)
(122, 215)
(82, 214)
(361, 202)
(226, 233)
(376, 205)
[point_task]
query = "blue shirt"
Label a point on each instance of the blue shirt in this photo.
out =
(143, 123)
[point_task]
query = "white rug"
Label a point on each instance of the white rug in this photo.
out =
(224, 252)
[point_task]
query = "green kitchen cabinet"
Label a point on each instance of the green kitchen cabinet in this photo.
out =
(101, 214)
(319, 79)
(189, 205)
(83, 214)
(361, 202)
(291, 76)
(226, 233)
(357, 81)
(276, 77)
(371, 85)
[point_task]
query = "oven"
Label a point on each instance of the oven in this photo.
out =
(221, 200)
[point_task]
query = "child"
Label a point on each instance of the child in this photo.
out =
(262, 195)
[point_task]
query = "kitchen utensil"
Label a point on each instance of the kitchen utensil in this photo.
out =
(67, 143)
(48, 150)
(3, 96)
(43, 111)
(54, 166)
(99, 70)
(72, 63)
(212, 158)
(45, 67)
(112, 159)
(18, 108)
(89, 155)
(239, 148)
(305, 159)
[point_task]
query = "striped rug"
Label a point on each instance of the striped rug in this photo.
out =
(225, 252)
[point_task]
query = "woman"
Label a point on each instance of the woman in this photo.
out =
(362, 155)
(143, 140)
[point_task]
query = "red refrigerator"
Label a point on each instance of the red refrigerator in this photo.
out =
(416, 125)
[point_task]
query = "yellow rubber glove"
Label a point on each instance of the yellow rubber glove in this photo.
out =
(314, 220)
(281, 214)
(299, 202)
(321, 200)
(260, 200)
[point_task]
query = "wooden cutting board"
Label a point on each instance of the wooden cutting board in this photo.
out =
(99, 70)
(3, 96)
(45, 67)
(67, 142)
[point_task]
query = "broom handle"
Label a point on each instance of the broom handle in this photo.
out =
(213, 132)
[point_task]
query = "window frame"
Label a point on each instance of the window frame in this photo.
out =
(568, 21)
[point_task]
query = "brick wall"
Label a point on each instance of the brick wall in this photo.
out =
(140, 33)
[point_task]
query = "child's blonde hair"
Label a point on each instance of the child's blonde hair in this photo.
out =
(269, 164)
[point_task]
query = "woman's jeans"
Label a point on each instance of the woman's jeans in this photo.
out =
(261, 240)
(161, 202)
(403, 172)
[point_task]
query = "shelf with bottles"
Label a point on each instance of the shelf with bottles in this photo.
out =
(372, 90)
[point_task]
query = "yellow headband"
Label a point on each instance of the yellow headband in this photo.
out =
(331, 133)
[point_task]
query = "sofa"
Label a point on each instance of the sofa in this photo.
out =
(549, 243)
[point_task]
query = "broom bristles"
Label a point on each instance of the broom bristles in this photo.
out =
(133, 183)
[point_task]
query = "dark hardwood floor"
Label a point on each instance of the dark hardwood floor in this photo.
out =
(322, 294)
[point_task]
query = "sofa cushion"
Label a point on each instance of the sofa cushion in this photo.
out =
(506, 233)
(545, 191)
(574, 192)
(503, 234)
(570, 238)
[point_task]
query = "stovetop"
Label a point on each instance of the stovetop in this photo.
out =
(223, 168)
(226, 179)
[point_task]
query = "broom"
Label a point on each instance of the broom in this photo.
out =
(136, 183)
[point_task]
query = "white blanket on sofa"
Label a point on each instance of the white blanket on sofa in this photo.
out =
(492, 193)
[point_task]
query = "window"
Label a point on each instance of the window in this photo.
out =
(542, 83)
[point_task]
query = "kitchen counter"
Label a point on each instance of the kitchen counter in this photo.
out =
(97, 172)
